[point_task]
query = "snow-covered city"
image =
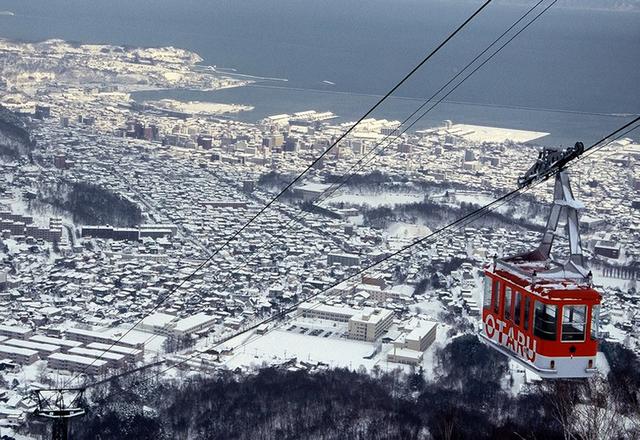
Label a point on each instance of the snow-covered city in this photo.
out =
(172, 240)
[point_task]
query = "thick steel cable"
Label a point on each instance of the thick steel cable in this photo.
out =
(349, 173)
(459, 223)
(294, 181)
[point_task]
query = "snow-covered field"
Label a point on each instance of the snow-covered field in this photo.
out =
(407, 230)
(198, 108)
(377, 200)
(279, 345)
(478, 133)
(152, 343)
(474, 197)
(429, 308)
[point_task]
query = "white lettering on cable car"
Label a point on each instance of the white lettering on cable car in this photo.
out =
(510, 337)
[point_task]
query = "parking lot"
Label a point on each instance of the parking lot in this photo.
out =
(308, 330)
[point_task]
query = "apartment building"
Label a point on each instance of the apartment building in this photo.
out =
(131, 355)
(17, 332)
(77, 363)
(22, 356)
(327, 312)
(370, 324)
(43, 350)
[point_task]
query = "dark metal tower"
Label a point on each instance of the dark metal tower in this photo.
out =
(61, 406)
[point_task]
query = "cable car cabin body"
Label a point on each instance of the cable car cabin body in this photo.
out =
(541, 312)
(550, 327)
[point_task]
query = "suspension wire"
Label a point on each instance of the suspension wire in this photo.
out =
(349, 173)
(458, 224)
(444, 96)
(478, 67)
(295, 180)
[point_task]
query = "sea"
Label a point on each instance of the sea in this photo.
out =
(574, 73)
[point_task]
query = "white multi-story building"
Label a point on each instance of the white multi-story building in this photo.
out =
(131, 354)
(405, 356)
(370, 324)
(324, 311)
(64, 344)
(43, 350)
(74, 362)
(88, 336)
(23, 356)
(12, 331)
(192, 324)
(421, 337)
(113, 360)
(157, 323)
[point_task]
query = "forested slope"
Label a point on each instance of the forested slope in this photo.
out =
(467, 400)
(14, 135)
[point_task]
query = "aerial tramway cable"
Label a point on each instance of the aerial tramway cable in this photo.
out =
(294, 181)
(457, 224)
(350, 172)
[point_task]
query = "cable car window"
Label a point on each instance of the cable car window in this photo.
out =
(516, 307)
(496, 296)
(486, 299)
(527, 305)
(544, 322)
(573, 323)
(507, 302)
(595, 322)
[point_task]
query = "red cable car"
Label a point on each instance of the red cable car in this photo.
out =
(541, 312)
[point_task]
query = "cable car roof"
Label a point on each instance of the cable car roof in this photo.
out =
(565, 290)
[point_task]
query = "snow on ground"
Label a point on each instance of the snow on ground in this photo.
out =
(429, 308)
(377, 200)
(407, 230)
(335, 350)
(610, 282)
(151, 345)
(12, 433)
(478, 133)
(356, 220)
(602, 364)
(26, 374)
(279, 345)
(199, 108)
(428, 360)
(476, 198)
(520, 377)
(615, 333)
